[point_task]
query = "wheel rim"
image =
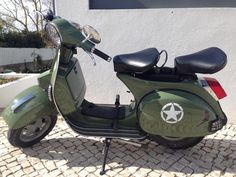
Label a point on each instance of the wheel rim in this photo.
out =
(35, 130)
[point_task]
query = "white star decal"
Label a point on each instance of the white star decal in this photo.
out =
(172, 113)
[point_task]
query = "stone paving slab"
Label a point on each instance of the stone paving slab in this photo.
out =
(65, 153)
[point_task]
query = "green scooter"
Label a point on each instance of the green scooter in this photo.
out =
(172, 106)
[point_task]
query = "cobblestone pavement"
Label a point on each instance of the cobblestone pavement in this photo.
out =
(64, 153)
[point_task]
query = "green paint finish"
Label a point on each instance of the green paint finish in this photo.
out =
(44, 79)
(193, 120)
(197, 100)
(131, 119)
(30, 111)
(69, 87)
(141, 87)
(63, 96)
(70, 35)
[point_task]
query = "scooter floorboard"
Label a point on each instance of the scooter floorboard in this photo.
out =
(104, 111)
(108, 132)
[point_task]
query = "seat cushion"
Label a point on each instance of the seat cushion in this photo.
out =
(138, 62)
(207, 61)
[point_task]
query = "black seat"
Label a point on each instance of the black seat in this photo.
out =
(207, 61)
(138, 62)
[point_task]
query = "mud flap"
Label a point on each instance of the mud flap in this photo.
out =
(27, 107)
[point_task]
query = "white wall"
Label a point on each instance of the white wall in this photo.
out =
(8, 91)
(179, 31)
(19, 55)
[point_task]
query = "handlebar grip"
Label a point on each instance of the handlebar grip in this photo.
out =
(102, 55)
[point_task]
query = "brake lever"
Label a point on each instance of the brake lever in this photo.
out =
(92, 57)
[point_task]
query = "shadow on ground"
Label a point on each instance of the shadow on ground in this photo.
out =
(209, 155)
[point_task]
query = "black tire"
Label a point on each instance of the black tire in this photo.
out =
(176, 143)
(16, 136)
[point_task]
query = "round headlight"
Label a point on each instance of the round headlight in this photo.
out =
(53, 34)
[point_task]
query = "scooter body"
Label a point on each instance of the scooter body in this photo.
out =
(167, 103)
(144, 115)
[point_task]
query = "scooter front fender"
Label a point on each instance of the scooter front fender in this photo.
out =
(27, 107)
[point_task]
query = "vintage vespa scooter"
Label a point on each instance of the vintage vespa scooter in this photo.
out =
(172, 105)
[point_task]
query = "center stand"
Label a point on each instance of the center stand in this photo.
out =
(105, 152)
(107, 141)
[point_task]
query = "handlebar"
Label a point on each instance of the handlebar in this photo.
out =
(102, 55)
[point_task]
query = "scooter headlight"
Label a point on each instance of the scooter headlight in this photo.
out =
(53, 34)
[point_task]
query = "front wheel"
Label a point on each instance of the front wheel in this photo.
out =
(31, 134)
(176, 142)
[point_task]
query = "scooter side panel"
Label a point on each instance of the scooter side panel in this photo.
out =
(27, 107)
(175, 113)
(140, 88)
(70, 87)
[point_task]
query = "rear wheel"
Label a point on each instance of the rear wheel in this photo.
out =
(31, 134)
(176, 142)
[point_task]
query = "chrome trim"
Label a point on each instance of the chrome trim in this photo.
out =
(50, 93)
(50, 23)
(109, 59)
(127, 141)
(86, 39)
(19, 103)
(53, 81)
(92, 50)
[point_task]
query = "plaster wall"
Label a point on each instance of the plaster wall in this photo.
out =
(178, 30)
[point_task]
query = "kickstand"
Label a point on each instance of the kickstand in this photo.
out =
(105, 152)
